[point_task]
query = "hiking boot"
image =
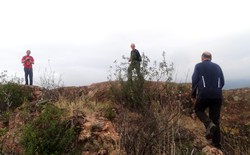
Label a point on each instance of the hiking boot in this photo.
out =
(218, 146)
(210, 130)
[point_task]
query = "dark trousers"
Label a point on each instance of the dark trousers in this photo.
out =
(134, 65)
(28, 73)
(214, 106)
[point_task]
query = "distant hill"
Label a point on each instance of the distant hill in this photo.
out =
(234, 84)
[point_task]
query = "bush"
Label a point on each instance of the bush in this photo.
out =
(109, 113)
(12, 95)
(48, 133)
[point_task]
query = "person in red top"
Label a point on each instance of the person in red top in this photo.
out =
(28, 61)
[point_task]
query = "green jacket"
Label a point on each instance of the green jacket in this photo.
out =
(135, 55)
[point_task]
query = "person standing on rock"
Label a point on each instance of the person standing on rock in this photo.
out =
(135, 59)
(207, 84)
(28, 61)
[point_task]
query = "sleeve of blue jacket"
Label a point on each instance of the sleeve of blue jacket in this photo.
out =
(195, 81)
(222, 79)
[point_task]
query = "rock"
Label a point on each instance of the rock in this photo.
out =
(102, 152)
(236, 98)
(38, 94)
(199, 143)
(208, 150)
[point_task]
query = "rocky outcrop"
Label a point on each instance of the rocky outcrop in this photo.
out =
(95, 130)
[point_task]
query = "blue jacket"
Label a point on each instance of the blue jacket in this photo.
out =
(208, 80)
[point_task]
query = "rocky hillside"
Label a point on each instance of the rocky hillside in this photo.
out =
(104, 125)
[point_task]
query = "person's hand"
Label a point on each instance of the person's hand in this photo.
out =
(193, 114)
(193, 100)
(193, 97)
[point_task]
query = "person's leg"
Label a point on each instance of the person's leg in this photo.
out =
(130, 68)
(31, 76)
(214, 115)
(26, 75)
(138, 70)
(200, 106)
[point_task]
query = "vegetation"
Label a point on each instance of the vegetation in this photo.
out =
(48, 133)
(49, 80)
(235, 125)
(109, 113)
(155, 129)
(12, 95)
(135, 94)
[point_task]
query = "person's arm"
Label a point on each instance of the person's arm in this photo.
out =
(195, 81)
(31, 60)
(138, 55)
(23, 59)
(222, 79)
(130, 56)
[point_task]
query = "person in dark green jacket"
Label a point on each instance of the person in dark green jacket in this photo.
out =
(135, 59)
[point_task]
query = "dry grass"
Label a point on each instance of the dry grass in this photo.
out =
(87, 107)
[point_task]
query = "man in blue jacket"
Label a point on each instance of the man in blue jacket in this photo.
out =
(207, 84)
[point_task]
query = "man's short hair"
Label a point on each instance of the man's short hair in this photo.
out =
(207, 55)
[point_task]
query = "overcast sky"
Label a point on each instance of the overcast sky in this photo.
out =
(81, 38)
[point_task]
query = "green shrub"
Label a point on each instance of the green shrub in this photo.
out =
(48, 133)
(5, 116)
(12, 95)
(129, 94)
(3, 131)
(109, 113)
